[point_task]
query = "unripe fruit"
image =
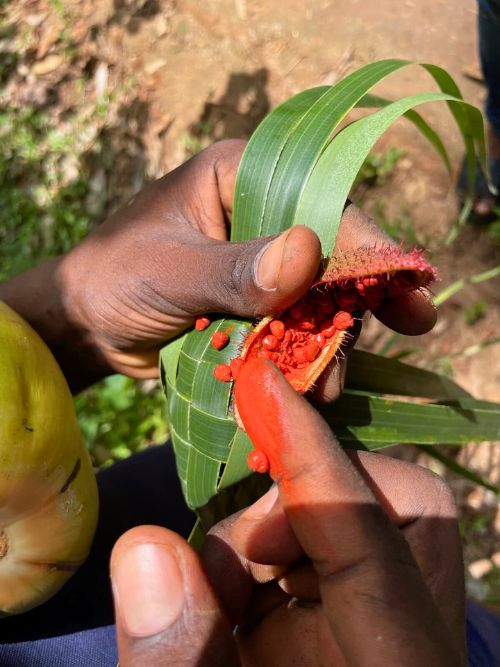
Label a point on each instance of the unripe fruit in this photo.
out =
(48, 493)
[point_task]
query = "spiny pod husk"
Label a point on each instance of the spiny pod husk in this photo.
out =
(48, 493)
(304, 338)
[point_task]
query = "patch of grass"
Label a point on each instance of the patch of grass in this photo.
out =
(44, 189)
(121, 416)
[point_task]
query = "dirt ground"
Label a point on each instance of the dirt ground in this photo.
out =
(181, 74)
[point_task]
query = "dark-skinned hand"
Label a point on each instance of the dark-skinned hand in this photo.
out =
(347, 561)
(140, 278)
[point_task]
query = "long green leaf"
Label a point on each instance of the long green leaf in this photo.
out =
(373, 422)
(374, 373)
(324, 196)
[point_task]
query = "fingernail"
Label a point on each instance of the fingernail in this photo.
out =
(263, 506)
(267, 264)
(148, 589)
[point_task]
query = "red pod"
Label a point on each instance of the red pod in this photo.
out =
(223, 373)
(201, 323)
(311, 331)
(220, 340)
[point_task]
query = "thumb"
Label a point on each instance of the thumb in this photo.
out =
(166, 610)
(256, 277)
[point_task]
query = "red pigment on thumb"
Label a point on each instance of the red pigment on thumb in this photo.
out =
(259, 399)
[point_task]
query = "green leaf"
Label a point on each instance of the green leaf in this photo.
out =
(372, 422)
(420, 123)
(324, 196)
(374, 373)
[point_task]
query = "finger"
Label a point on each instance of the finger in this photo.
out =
(415, 499)
(249, 279)
(206, 183)
(166, 610)
(411, 314)
(365, 567)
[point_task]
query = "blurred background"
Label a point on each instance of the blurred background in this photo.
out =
(98, 98)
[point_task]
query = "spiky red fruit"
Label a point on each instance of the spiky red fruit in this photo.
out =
(309, 334)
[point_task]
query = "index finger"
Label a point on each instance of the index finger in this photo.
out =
(373, 595)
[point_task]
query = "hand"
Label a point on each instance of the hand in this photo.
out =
(347, 561)
(140, 278)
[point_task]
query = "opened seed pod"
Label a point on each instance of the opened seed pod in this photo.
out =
(306, 337)
(48, 493)
(302, 340)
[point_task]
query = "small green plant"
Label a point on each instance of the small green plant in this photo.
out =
(378, 167)
(120, 416)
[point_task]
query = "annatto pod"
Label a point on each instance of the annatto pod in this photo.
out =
(48, 493)
(303, 339)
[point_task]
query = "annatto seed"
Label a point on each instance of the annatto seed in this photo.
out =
(258, 461)
(223, 373)
(342, 320)
(299, 354)
(201, 323)
(320, 339)
(270, 342)
(311, 350)
(278, 329)
(220, 340)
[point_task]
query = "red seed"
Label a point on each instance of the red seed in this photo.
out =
(299, 354)
(320, 339)
(311, 351)
(258, 461)
(235, 366)
(201, 323)
(328, 331)
(270, 342)
(343, 320)
(278, 329)
(220, 340)
(359, 286)
(223, 373)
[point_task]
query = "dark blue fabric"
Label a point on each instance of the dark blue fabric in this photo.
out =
(489, 52)
(92, 648)
(483, 637)
(74, 629)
